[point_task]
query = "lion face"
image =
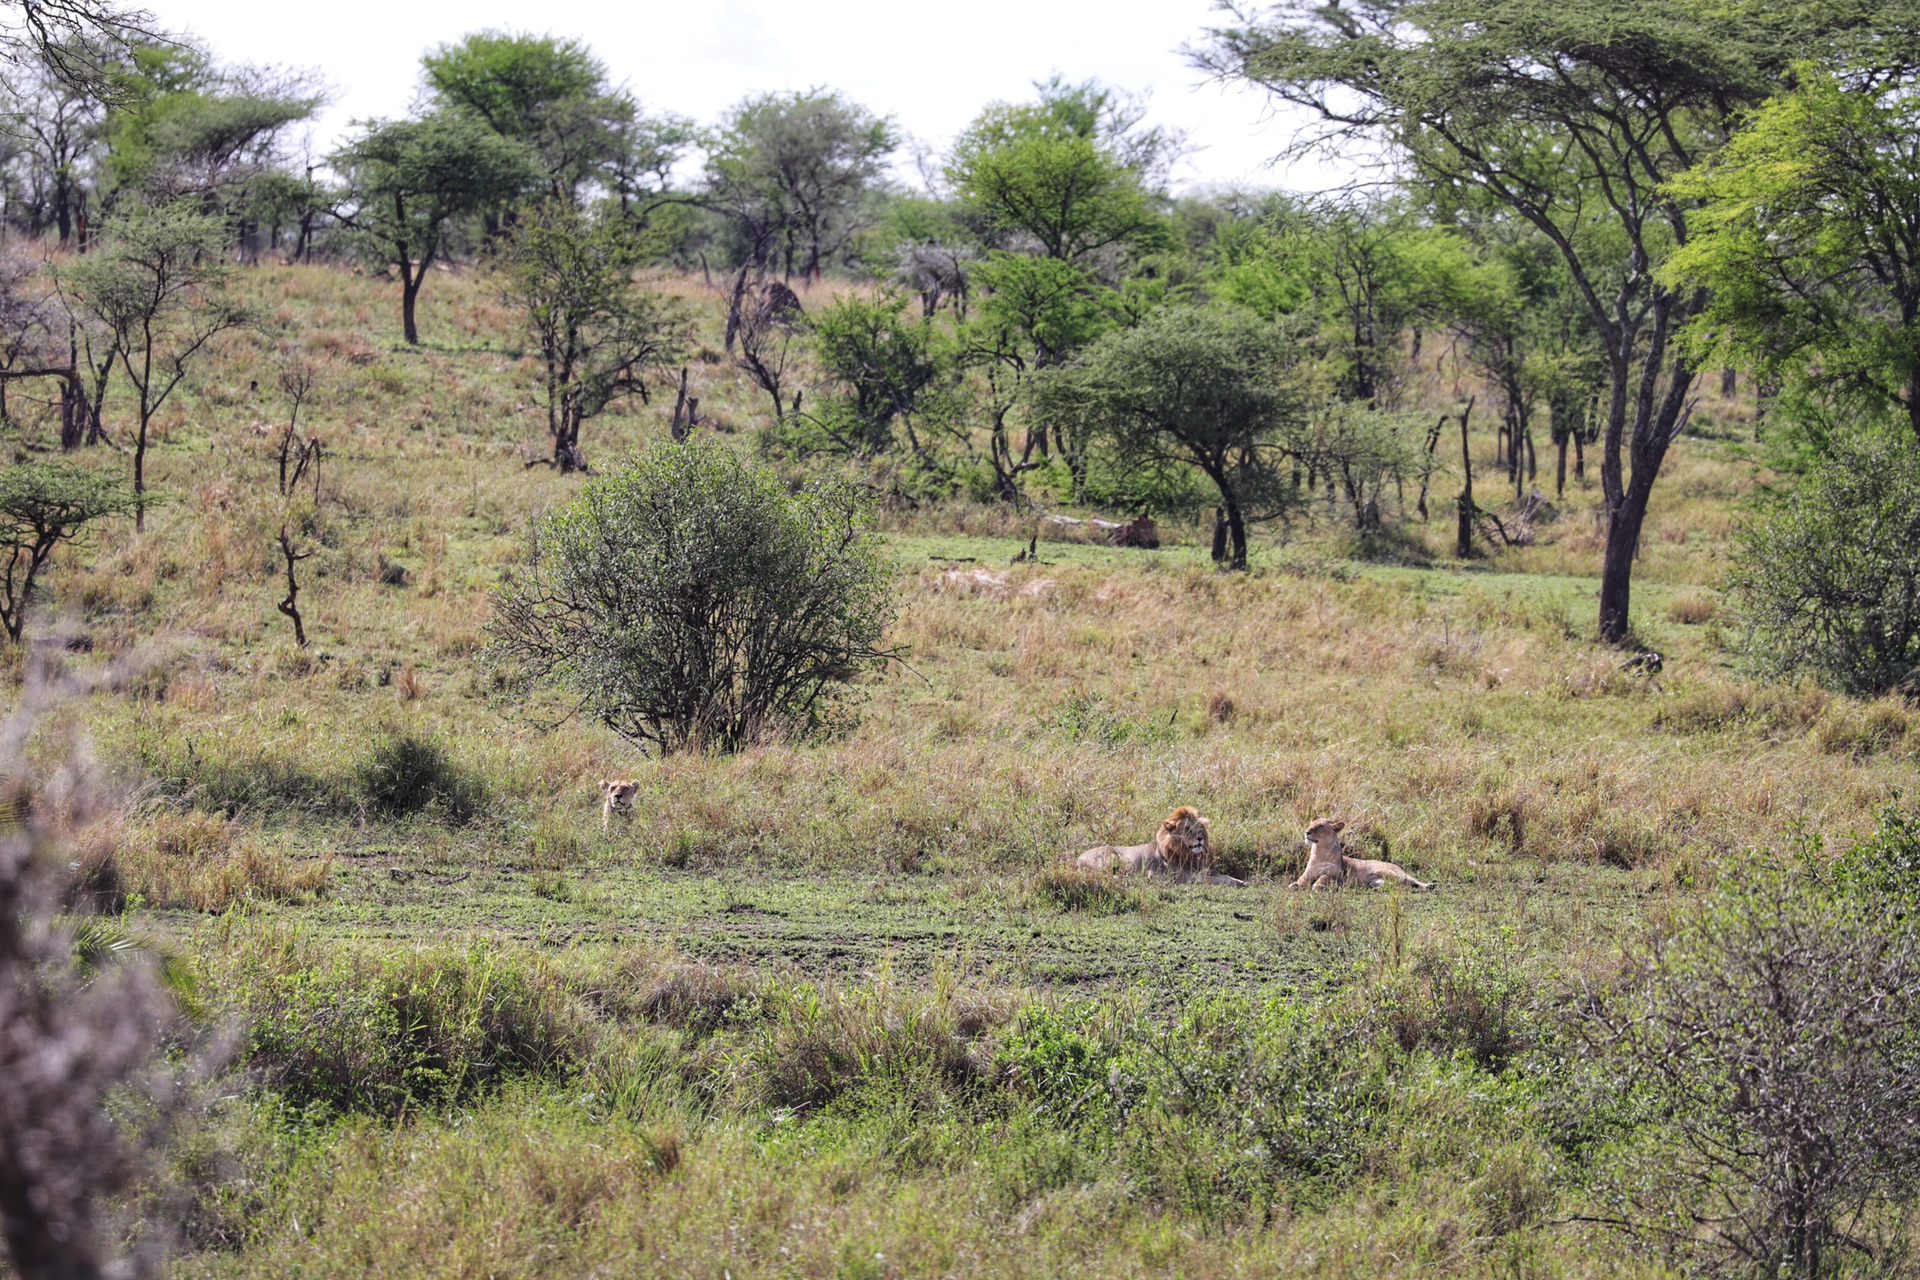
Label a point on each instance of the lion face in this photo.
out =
(1183, 842)
(618, 794)
(1324, 829)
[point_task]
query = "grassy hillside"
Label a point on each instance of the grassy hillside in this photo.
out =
(836, 1009)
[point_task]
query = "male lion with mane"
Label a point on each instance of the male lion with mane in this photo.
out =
(1330, 863)
(1180, 849)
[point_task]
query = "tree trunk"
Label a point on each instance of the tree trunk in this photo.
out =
(1579, 459)
(1560, 470)
(733, 305)
(409, 293)
(140, 477)
(1623, 544)
(1219, 535)
(1463, 539)
(1236, 535)
(1729, 379)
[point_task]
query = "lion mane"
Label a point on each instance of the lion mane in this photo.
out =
(1182, 842)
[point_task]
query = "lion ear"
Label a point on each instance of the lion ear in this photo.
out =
(606, 785)
(1339, 826)
(1203, 822)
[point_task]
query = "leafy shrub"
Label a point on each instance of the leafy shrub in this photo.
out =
(428, 1027)
(691, 601)
(817, 1046)
(406, 773)
(1472, 1002)
(1771, 1036)
(1087, 717)
(1234, 1101)
(1058, 1065)
(1829, 577)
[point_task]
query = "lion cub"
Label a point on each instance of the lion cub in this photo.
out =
(617, 798)
(1330, 864)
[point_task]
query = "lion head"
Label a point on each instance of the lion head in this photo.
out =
(1325, 830)
(1182, 841)
(617, 795)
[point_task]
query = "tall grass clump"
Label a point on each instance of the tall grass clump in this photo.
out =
(409, 773)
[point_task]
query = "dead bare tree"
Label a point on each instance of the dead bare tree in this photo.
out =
(291, 605)
(686, 411)
(296, 382)
(770, 314)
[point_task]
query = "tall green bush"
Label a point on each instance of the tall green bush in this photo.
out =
(690, 600)
(1829, 576)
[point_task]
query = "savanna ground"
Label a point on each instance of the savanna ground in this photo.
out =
(838, 1009)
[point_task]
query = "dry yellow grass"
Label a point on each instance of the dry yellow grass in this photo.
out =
(204, 862)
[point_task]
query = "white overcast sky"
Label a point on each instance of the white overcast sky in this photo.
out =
(930, 66)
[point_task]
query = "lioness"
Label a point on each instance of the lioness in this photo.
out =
(617, 797)
(1331, 864)
(1180, 849)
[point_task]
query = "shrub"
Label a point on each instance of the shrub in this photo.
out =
(1771, 1035)
(691, 601)
(427, 1027)
(1063, 1069)
(406, 773)
(1829, 577)
(1235, 1101)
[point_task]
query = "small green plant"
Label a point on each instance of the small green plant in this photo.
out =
(1077, 889)
(1049, 1058)
(407, 773)
(1086, 717)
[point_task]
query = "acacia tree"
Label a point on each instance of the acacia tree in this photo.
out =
(1198, 389)
(570, 275)
(1573, 116)
(409, 183)
(553, 96)
(790, 173)
(43, 504)
(1069, 174)
(157, 292)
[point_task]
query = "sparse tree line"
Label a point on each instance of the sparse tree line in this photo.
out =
(1595, 206)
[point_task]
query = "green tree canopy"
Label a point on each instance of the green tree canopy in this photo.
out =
(792, 173)
(409, 183)
(1200, 389)
(190, 128)
(554, 96)
(1809, 240)
(1070, 174)
(1572, 116)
